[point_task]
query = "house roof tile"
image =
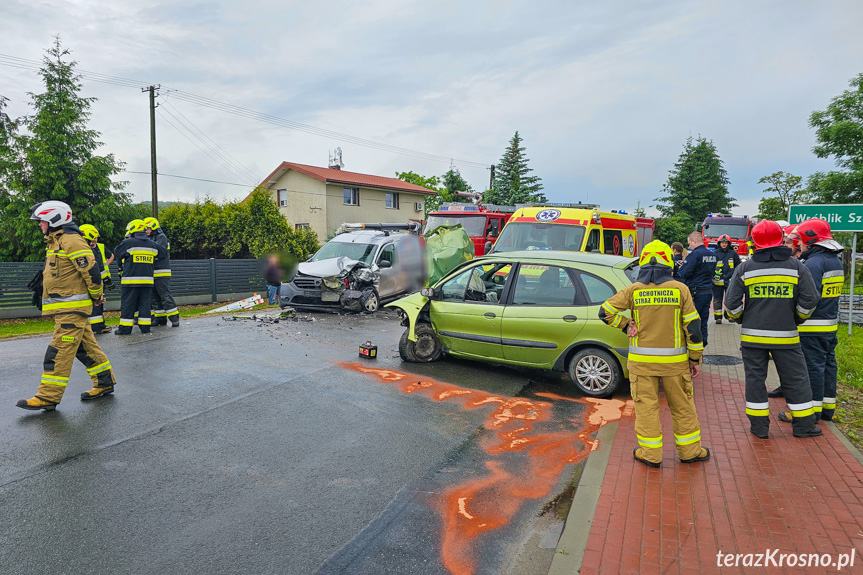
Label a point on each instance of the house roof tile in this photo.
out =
(335, 176)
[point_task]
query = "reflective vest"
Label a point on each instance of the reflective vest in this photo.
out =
(71, 279)
(828, 275)
(661, 312)
(770, 294)
(106, 273)
(726, 260)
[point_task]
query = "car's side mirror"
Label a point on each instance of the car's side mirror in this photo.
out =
(308, 259)
(488, 246)
(699, 227)
(495, 229)
(383, 264)
(428, 292)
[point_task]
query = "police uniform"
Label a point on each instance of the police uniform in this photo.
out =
(668, 341)
(770, 294)
(697, 273)
(136, 254)
(726, 260)
(818, 333)
(71, 283)
(164, 307)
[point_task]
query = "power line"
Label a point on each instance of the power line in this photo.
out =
(17, 62)
(190, 178)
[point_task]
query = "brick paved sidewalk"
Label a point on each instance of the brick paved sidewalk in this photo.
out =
(795, 495)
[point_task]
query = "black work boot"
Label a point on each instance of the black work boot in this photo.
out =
(814, 431)
(775, 393)
(703, 455)
(759, 433)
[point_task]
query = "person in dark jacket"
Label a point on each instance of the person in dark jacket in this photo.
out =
(822, 257)
(770, 294)
(136, 256)
(164, 307)
(273, 277)
(697, 273)
(726, 260)
(679, 255)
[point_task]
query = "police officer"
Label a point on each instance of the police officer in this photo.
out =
(97, 319)
(770, 294)
(164, 308)
(136, 255)
(665, 347)
(822, 257)
(697, 273)
(726, 260)
(71, 284)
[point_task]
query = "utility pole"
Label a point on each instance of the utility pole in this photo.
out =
(153, 172)
(491, 179)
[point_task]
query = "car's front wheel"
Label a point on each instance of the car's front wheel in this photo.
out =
(595, 372)
(425, 349)
(370, 301)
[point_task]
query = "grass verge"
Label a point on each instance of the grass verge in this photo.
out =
(849, 401)
(10, 328)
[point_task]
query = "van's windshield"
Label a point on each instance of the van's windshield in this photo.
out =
(517, 236)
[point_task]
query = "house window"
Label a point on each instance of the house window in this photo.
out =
(392, 200)
(352, 196)
(302, 227)
(282, 198)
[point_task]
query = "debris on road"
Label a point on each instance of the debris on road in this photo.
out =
(247, 303)
(368, 351)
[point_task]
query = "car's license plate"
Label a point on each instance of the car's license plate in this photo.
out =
(311, 293)
(329, 296)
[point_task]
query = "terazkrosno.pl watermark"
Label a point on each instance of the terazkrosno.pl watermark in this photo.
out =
(774, 558)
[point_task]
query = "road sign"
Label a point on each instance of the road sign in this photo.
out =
(841, 217)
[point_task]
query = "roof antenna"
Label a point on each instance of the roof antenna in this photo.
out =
(336, 162)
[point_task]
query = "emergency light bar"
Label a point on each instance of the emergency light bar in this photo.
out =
(558, 205)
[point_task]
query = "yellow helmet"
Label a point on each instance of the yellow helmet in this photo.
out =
(135, 226)
(657, 252)
(90, 232)
(151, 223)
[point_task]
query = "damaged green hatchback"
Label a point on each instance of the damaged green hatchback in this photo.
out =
(537, 309)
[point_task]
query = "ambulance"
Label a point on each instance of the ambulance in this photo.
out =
(574, 228)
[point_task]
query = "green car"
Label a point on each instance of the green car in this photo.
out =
(536, 309)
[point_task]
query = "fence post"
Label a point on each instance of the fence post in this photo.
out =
(213, 279)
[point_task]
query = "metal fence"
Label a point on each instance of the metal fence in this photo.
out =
(192, 282)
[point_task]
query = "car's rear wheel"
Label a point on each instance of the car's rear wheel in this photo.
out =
(595, 372)
(425, 349)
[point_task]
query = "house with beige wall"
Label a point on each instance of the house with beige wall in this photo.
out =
(324, 198)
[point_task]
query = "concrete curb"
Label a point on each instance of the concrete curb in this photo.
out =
(573, 541)
(844, 441)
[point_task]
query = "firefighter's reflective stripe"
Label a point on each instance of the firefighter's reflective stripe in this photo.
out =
(819, 325)
(151, 251)
(96, 319)
(54, 380)
(734, 313)
(95, 292)
(56, 253)
(801, 409)
(769, 336)
(829, 403)
(79, 253)
(144, 321)
(757, 408)
(655, 442)
(127, 322)
(68, 302)
(137, 280)
(816, 406)
(772, 274)
(159, 313)
(804, 312)
(694, 346)
(658, 354)
(96, 369)
(610, 309)
(166, 273)
(687, 439)
(172, 311)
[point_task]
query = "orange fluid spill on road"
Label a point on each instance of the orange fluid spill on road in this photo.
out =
(517, 425)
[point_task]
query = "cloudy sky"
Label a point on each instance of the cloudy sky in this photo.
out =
(603, 93)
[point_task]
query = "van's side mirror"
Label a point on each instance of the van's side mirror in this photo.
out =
(495, 228)
(383, 264)
(308, 259)
(699, 227)
(488, 246)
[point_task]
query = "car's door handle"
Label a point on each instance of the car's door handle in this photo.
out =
(569, 318)
(489, 315)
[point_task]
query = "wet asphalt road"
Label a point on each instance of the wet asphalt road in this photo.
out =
(235, 447)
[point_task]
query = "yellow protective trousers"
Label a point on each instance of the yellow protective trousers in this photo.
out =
(678, 392)
(73, 338)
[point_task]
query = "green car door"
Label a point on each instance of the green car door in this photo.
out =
(467, 313)
(541, 320)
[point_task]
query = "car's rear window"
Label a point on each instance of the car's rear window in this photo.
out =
(632, 271)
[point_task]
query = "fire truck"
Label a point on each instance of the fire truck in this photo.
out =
(575, 227)
(482, 222)
(738, 228)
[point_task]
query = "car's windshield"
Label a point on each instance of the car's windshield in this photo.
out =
(731, 230)
(473, 224)
(538, 236)
(359, 252)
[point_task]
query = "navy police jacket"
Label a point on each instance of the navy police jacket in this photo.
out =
(698, 268)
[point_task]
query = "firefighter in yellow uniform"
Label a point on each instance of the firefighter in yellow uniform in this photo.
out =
(71, 283)
(665, 347)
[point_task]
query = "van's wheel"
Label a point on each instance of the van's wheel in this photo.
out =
(595, 372)
(370, 301)
(425, 349)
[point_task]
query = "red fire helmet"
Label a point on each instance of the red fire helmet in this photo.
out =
(767, 234)
(813, 231)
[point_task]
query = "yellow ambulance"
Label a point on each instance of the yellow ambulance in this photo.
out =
(574, 228)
